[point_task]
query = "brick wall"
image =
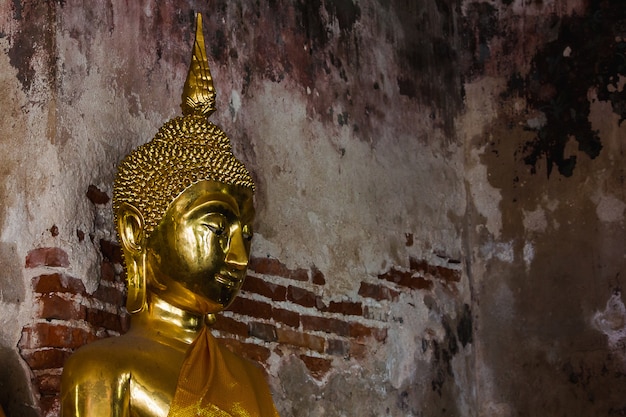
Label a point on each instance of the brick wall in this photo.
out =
(68, 317)
(281, 311)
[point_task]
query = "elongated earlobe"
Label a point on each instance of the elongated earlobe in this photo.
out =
(130, 227)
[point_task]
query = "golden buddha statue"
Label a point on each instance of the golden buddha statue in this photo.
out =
(183, 211)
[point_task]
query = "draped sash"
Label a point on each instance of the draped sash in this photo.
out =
(214, 382)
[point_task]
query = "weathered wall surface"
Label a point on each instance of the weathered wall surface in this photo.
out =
(440, 225)
(544, 140)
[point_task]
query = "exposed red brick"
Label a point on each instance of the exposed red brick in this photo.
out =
(107, 271)
(439, 272)
(271, 266)
(325, 324)
(338, 347)
(358, 350)
(251, 308)
(50, 405)
(54, 257)
(295, 338)
(262, 287)
(96, 196)
(380, 335)
(55, 307)
(99, 318)
(263, 331)
(111, 251)
(80, 235)
(232, 326)
(317, 277)
(55, 336)
(48, 383)
(360, 332)
(290, 318)
(109, 295)
(46, 358)
(318, 367)
(406, 279)
(377, 292)
(54, 230)
(348, 308)
(250, 351)
(26, 339)
(45, 284)
(409, 239)
(301, 296)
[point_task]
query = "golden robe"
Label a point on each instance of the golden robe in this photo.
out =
(214, 382)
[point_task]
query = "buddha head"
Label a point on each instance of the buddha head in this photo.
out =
(183, 207)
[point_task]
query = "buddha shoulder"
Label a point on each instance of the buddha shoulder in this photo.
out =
(108, 373)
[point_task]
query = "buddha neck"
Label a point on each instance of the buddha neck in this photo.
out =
(165, 322)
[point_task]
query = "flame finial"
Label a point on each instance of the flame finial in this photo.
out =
(198, 93)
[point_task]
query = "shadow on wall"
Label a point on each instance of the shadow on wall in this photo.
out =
(15, 389)
(14, 386)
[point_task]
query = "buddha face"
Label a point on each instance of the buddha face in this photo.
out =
(198, 254)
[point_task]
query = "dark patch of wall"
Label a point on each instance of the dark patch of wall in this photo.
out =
(14, 385)
(535, 326)
(430, 57)
(323, 46)
(589, 53)
(35, 35)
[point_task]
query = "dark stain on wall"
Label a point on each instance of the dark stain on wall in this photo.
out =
(324, 47)
(589, 53)
(480, 25)
(429, 59)
(345, 11)
(35, 33)
(464, 327)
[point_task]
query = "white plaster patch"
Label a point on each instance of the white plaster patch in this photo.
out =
(529, 254)
(234, 104)
(609, 209)
(612, 322)
(567, 51)
(535, 220)
(502, 251)
(403, 338)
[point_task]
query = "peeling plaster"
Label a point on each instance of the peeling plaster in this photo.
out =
(609, 208)
(363, 123)
(535, 220)
(612, 323)
(485, 198)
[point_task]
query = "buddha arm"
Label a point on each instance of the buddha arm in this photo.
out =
(89, 390)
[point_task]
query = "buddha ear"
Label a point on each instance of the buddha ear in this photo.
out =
(131, 227)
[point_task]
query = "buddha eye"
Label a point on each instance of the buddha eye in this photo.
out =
(216, 223)
(216, 229)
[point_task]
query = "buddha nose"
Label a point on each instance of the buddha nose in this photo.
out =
(236, 254)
